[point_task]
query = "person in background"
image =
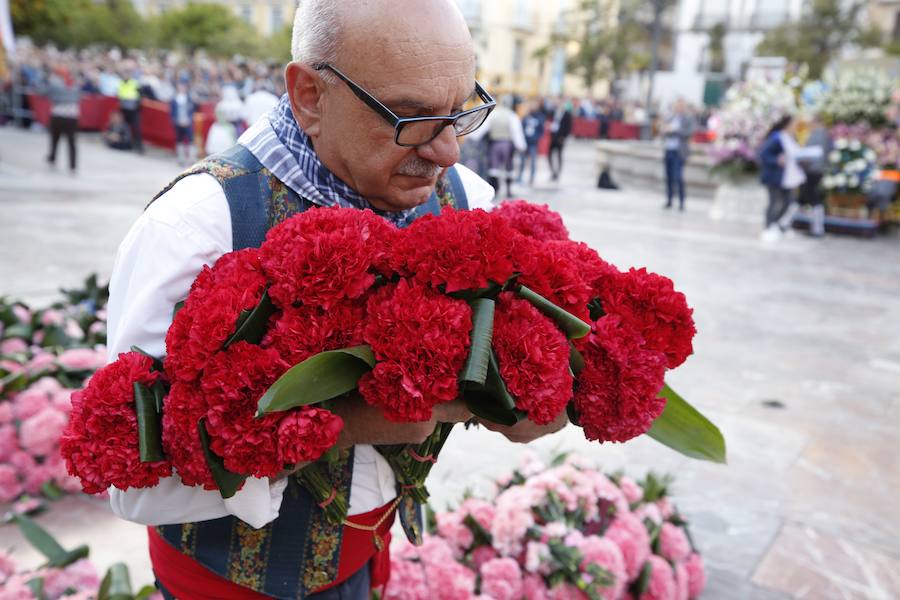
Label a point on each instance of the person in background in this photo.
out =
(117, 134)
(222, 134)
(504, 130)
(811, 191)
(232, 108)
(781, 174)
(259, 102)
(560, 129)
(129, 94)
(64, 111)
(677, 132)
(181, 110)
(533, 128)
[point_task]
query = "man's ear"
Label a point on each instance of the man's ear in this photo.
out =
(304, 87)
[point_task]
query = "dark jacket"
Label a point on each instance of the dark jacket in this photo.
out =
(533, 127)
(770, 172)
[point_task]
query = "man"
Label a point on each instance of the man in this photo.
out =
(677, 134)
(533, 128)
(340, 136)
(560, 129)
(504, 131)
(129, 94)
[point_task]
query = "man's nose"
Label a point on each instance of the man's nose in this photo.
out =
(442, 150)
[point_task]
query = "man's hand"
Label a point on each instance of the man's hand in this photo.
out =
(365, 424)
(525, 430)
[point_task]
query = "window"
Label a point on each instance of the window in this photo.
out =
(769, 14)
(276, 20)
(247, 12)
(518, 52)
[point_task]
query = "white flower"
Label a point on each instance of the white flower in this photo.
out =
(855, 145)
(834, 157)
(828, 182)
(853, 181)
(840, 180)
(869, 155)
(840, 143)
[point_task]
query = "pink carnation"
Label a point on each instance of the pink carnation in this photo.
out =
(696, 575)
(606, 554)
(30, 402)
(52, 317)
(512, 520)
(82, 359)
(662, 580)
(481, 555)
(9, 442)
(407, 580)
(10, 488)
(633, 492)
(566, 591)
(665, 508)
(451, 527)
(13, 346)
(673, 543)
(40, 433)
(7, 565)
(6, 412)
(682, 582)
(534, 588)
(481, 510)
(629, 533)
(80, 576)
(43, 361)
(501, 579)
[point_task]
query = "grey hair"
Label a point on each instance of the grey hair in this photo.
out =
(316, 31)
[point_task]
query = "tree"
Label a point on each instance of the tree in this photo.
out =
(79, 23)
(818, 36)
(205, 26)
(717, 48)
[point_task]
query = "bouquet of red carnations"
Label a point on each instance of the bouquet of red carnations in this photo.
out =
(500, 309)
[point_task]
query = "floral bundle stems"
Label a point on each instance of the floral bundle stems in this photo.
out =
(412, 464)
(329, 500)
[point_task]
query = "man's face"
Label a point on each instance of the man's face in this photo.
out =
(412, 78)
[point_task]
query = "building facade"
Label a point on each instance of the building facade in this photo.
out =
(266, 16)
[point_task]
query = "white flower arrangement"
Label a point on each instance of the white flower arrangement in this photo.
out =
(850, 169)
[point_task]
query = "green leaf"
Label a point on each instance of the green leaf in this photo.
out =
(492, 401)
(480, 535)
(19, 330)
(116, 584)
(145, 592)
(251, 325)
(643, 581)
(476, 368)
(175, 309)
(36, 585)
(595, 308)
(684, 429)
(227, 482)
(321, 377)
(55, 336)
(148, 422)
(576, 360)
(159, 394)
(46, 544)
(573, 327)
(52, 491)
(157, 363)
(14, 382)
(572, 413)
(492, 290)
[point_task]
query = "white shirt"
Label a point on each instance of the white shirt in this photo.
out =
(186, 228)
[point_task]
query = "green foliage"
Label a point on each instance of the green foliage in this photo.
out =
(717, 47)
(200, 26)
(79, 23)
(817, 37)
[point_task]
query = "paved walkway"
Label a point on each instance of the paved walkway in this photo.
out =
(806, 507)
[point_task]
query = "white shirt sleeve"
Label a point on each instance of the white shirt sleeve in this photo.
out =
(479, 193)
(188, 227)
(516, 132)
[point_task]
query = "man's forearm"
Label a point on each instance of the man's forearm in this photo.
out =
(365, 424)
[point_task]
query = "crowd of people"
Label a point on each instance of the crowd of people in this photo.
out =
(241, 91)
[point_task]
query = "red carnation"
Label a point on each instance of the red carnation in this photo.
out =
(232, 384)
(533, 220)
(306, 433)
(617, 392)
(421, 338)
(556, 271)
(298, 333)
(210, 313)
(182, 411)
(458, 250)
(100, 443)
(649, 303)
(323, 256)
(533, 355)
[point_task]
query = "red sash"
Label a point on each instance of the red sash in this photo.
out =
(187, 579)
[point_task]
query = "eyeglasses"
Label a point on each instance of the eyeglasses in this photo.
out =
(417, 131)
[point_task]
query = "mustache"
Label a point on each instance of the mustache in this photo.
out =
(419, 167)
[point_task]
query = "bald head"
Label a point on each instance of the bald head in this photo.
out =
(327, 29)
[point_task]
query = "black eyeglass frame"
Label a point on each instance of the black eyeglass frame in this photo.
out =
(398, 122)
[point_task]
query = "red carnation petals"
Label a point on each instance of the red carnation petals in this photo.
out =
(210, 313)
(617, 392)
(298, 333)
(232, 385)
(325, 255)
(306, 433)
(536, 221)
(100, 444)
(421, 340)
(183, 408)
(555, 270)
(533, 354)
(458, 250)
(649, 303)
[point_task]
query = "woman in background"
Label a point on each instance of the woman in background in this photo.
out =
(64, 111)
(781, 174)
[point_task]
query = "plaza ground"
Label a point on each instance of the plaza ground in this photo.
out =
(797, 360)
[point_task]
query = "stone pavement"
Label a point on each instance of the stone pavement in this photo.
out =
(797, 360)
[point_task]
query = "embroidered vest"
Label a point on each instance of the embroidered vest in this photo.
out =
(298, 552)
